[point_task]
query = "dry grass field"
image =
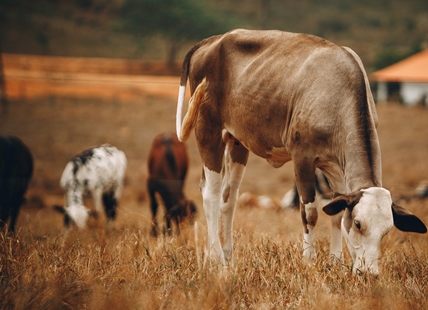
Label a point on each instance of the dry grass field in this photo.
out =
(121, 266)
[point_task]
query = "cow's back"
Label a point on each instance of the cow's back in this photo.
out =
(16, 165)
(110, 161)
(290, 85)
(102, 166)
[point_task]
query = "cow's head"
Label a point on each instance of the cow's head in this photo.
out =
(369, 215)
(75, 214)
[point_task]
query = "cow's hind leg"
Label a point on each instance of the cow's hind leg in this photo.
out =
(235, 160)
(110, 205)
(211, 184)
(211, 146)
(305, 181)
(211, 188)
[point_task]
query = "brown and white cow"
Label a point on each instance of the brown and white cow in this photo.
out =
(288, 96)
(168, 164)
(16, 169)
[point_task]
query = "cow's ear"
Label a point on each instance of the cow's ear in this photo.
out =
(337, 205)
(406, 221)
(341, 202)
(59, 209)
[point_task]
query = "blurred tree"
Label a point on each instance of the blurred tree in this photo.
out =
(43, 40)
(177, 21)
(390, 56)
(265, 7)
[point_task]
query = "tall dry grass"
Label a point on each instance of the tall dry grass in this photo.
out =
(120, 266)
(125, 268)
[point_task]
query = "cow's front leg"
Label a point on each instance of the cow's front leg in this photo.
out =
(211, 188)
(305, 180)
(336, 236)
(151, 187)
(309, 218)
(336, 251)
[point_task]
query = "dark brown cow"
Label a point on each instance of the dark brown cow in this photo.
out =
(167, 171)
(16, 169)
(287, 96)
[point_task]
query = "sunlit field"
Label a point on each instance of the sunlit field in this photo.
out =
(121, 266)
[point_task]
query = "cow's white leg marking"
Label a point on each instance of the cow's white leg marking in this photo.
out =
(308, 233)
(336, 236)
(233, 178)
(211, 200)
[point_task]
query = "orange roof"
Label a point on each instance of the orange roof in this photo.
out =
(411, 69)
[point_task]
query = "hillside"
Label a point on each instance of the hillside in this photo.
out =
(379, 31)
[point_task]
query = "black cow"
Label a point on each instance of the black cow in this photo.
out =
(16, 169)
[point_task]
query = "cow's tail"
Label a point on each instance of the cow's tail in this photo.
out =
(369, 94)
(190, 118)
(183, 129)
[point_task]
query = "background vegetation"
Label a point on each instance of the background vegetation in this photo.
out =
(381, 31)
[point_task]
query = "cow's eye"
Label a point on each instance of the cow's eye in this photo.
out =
(357, 224)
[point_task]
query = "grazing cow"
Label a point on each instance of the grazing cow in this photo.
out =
(99, 172)
(167, 170)
(323, 191)
(287, 96)
(16, 169)
(248, 200)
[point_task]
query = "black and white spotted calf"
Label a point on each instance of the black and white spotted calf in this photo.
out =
(16, 169)
(99, 172)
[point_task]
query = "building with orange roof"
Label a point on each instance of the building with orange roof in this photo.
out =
(412, 75)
